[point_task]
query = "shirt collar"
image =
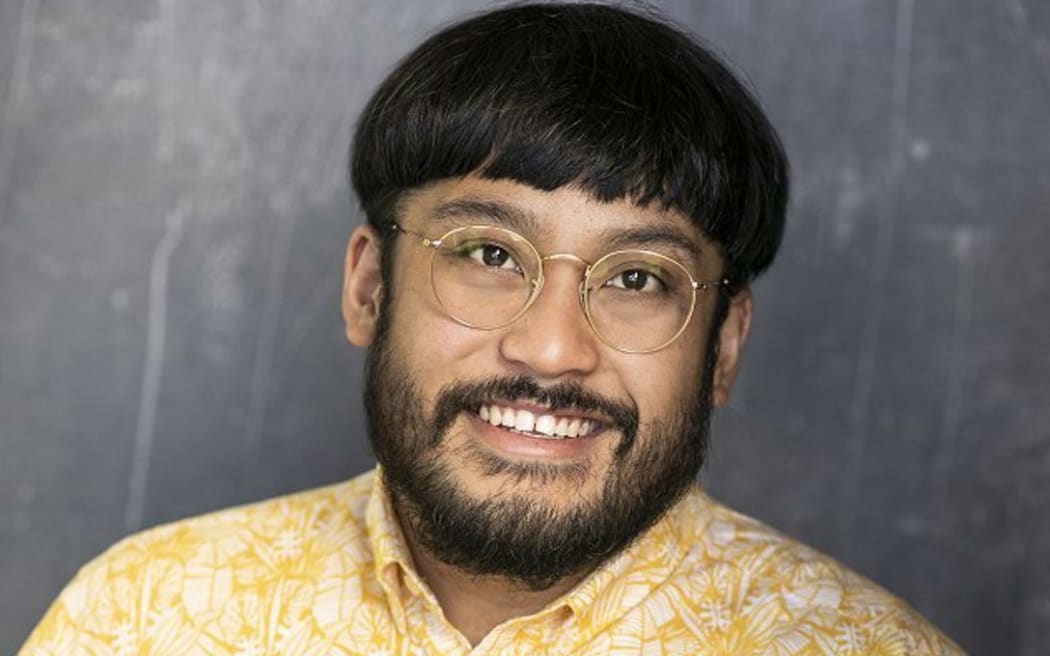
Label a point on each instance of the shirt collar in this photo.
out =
(604, 595)
(628, 578)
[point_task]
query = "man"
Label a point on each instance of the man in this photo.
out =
(566, 205)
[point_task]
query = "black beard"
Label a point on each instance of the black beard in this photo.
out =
(513, 536)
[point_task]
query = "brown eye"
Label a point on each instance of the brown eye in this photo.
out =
(493, 255)
(636, 280)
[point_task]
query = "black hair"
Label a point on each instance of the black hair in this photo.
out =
(618, 103)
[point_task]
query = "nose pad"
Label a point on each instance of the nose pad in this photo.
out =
(581, 298)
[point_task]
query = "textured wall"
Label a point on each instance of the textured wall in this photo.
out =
(173, 213)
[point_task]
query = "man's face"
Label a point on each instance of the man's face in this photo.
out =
(493, 499)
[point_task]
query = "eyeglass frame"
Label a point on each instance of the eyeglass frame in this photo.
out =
(582, 291)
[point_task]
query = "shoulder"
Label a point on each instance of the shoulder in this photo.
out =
(794, 594)
(276, 528)
(194, 570)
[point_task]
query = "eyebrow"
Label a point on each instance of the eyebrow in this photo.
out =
(493, 211)
(656, 235)
(524, 222)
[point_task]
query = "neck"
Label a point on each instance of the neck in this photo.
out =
(476, 604)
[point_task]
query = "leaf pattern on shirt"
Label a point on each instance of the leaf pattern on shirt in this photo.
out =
(326, 572)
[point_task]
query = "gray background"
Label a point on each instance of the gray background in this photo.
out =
(173, 213)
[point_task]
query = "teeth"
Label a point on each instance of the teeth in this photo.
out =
(524, 420)
(507, 417)
(540, 425)
(545, 424)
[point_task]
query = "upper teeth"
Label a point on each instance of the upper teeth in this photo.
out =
(528, 422)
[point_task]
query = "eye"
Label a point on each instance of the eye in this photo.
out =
(637, 280)
(491, 255)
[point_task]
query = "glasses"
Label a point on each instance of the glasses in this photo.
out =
(636, 301)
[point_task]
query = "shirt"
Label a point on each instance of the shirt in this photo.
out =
(327, 572)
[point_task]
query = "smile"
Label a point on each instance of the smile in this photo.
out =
(547, 426)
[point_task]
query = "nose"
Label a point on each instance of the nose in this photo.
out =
(553, 339)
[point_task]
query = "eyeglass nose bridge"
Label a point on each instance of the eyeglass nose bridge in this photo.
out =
(537, 283)
(565, 256)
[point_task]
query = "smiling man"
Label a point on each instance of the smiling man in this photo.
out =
(566, 205)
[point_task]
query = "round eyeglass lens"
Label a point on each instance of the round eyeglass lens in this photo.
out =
(638, 301)
(484, 276)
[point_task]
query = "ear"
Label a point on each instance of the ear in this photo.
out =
(362, 286)
(731, 338)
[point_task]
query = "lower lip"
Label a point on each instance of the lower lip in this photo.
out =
(518, 444)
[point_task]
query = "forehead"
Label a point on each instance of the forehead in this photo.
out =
(563, 220)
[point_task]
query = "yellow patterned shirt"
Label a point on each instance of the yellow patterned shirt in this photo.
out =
(327, 572)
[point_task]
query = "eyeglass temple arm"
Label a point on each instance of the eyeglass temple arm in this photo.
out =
(724, 282)
(426, 240)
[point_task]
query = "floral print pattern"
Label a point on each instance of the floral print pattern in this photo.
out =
(327, 573)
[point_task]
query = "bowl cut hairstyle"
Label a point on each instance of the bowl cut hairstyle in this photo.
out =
(617, 103)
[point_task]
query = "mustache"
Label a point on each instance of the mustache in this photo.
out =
(462, 396)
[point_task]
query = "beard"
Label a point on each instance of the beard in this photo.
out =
(513, 534)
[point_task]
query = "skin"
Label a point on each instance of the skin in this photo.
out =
(552, 343)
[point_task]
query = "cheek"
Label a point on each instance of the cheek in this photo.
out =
(672, 379)
(435, 349)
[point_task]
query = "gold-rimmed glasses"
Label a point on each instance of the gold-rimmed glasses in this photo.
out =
(635, 301)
